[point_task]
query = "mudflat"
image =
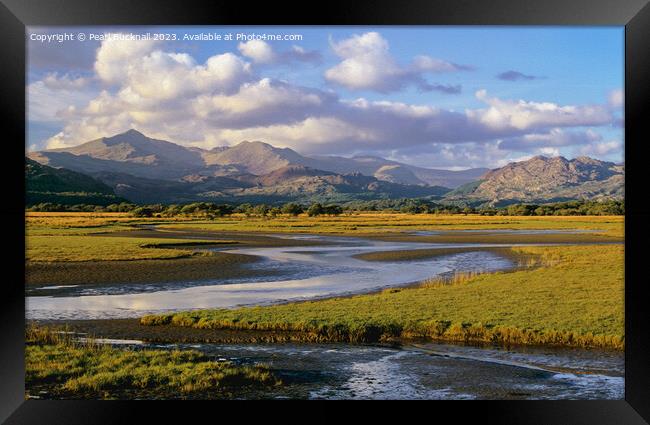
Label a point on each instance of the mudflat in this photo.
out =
(197, 267)
(199, 264)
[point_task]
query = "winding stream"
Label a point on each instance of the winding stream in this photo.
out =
(307, 273)
(426, 371)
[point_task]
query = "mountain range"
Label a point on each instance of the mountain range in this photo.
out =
(147, 170)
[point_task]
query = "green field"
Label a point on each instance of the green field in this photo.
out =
(575, 298)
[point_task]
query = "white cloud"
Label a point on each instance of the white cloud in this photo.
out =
(616, 98)
(168, 95)
(368, 65)
(263, 102)
(49, 99)
(258, 50)
(523, 115)
(549, 151)
(164, 76)
(556, 137)
(457, 156)
(114, 57)
(154, 74)
(315, 121)
(308, 135)
(261, 52)
(300, 54)
(427, 63)
(66, 82)
(603, 148)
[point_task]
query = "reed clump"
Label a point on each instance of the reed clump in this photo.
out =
(455, 279)
(64, 366)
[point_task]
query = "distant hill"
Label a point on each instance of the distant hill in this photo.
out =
(47, 184)
(307, 184)
(149, 170)
(134, 153)
(290, 183)
(131, 152)
(542, 179)
(395, 172)
(254, 157)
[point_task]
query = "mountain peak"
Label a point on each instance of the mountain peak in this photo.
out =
(257, 157)
(129, 136)
(551, 178)
(545, 158)
(588, 160)
(253, 143)
(133, 132)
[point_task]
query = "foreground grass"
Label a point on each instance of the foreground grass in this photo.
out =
(65, 368)
(574, 299)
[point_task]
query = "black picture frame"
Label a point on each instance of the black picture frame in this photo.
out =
(15, 15)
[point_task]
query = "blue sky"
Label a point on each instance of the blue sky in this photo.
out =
(443, 97)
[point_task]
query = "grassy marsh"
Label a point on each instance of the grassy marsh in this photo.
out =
(107, 248)
(575, 298)
(379, 223)
(356, 223)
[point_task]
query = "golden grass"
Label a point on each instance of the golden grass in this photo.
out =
(66, 236)
(355, 223)
(106, 248)
(368, 223)
(574, 298)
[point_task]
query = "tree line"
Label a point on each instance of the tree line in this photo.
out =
(410, 206)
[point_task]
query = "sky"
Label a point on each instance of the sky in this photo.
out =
(437, 97)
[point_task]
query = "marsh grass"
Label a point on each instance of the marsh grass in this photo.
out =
(108, 248)
(65, 367)
(378, 223)
(356, 223)
(87, 236)
(570, 295)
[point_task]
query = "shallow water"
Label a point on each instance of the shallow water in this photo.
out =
(430, 371)
(507, 231)
(307, 273)
(303, 272)
(424, 371)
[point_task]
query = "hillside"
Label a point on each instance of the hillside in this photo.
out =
(47, 184)
(542, 179)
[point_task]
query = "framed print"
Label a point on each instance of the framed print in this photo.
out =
(434, 201)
